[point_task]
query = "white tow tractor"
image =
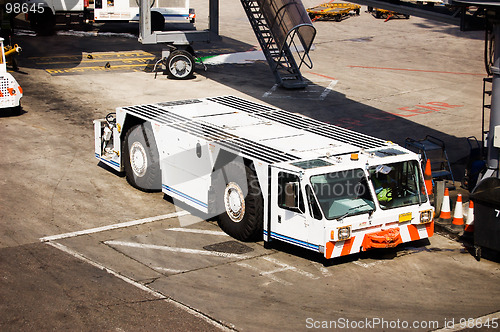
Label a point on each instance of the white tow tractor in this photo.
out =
(10, 91)
(269, 173)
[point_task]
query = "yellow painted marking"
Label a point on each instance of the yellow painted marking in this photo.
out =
(97, 68)
(84, 54)
(95, 60)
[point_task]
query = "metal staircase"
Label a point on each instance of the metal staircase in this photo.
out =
(277, 40)
(487, 91)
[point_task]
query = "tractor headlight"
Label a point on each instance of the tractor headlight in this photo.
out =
(344, 233)
(425, 216)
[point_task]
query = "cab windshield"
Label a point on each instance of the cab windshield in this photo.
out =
(344, 193)
(398, 184)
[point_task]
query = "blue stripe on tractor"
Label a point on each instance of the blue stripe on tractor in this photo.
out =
(176, 192)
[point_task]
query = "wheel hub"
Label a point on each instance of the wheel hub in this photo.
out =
(138, 159)
(180, 65)
(234, 202)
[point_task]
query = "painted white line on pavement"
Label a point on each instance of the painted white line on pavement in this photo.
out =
(368, 265)
(197, 231)
(270, 92)
(175, 249)
(169, 270)
(150, 291)
(493, 320)
(263, 273)
(328, 89)
(324, 271)
(114, 226)
(307, 94)
(290, 267)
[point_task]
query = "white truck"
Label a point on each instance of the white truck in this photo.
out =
(10, 91)
(44, 14)
(268, 173)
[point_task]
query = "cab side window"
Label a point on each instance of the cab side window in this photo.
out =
(314, 209)
(289, 193)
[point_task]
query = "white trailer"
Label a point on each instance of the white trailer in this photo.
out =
(10, 91)
(44, 14)
(269, 173)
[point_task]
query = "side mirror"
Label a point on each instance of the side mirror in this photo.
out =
(292, 195)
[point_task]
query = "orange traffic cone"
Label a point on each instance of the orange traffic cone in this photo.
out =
(458, 216)
(445, 215)
(469, 225)
(428, 177)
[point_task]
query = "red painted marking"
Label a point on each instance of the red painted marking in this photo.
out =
(11, 91)
(435, 108)
(321, 75)
(415, 110)
(381, 117)
(348, 121)
(438, 103)
(402, 115)
(418, 70)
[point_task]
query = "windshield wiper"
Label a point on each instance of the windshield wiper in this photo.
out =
(350, 209)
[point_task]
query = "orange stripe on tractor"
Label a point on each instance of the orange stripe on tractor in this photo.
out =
(329, 249)
(413, 230)
(388, 238)
(346, 249)
(430, 229)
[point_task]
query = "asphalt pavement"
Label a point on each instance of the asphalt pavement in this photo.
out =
(80, 249)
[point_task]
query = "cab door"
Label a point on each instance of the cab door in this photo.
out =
(288, 212)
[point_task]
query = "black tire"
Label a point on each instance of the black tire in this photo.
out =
(235, 180)
(17, 110)
(141, 159)
(157, 21)
(43, 24)
(180, 65)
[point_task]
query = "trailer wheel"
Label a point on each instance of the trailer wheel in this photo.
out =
(141, 159)
(239, 201)
(180, 65)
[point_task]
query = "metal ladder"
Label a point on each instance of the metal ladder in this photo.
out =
(487, 87)
(434, 149)
(282, 63)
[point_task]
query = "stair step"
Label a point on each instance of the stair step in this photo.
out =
(281, 62)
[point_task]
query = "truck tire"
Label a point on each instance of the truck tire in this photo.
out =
(43, 24)
(239, 201)
(141, 159)
(180, 65)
